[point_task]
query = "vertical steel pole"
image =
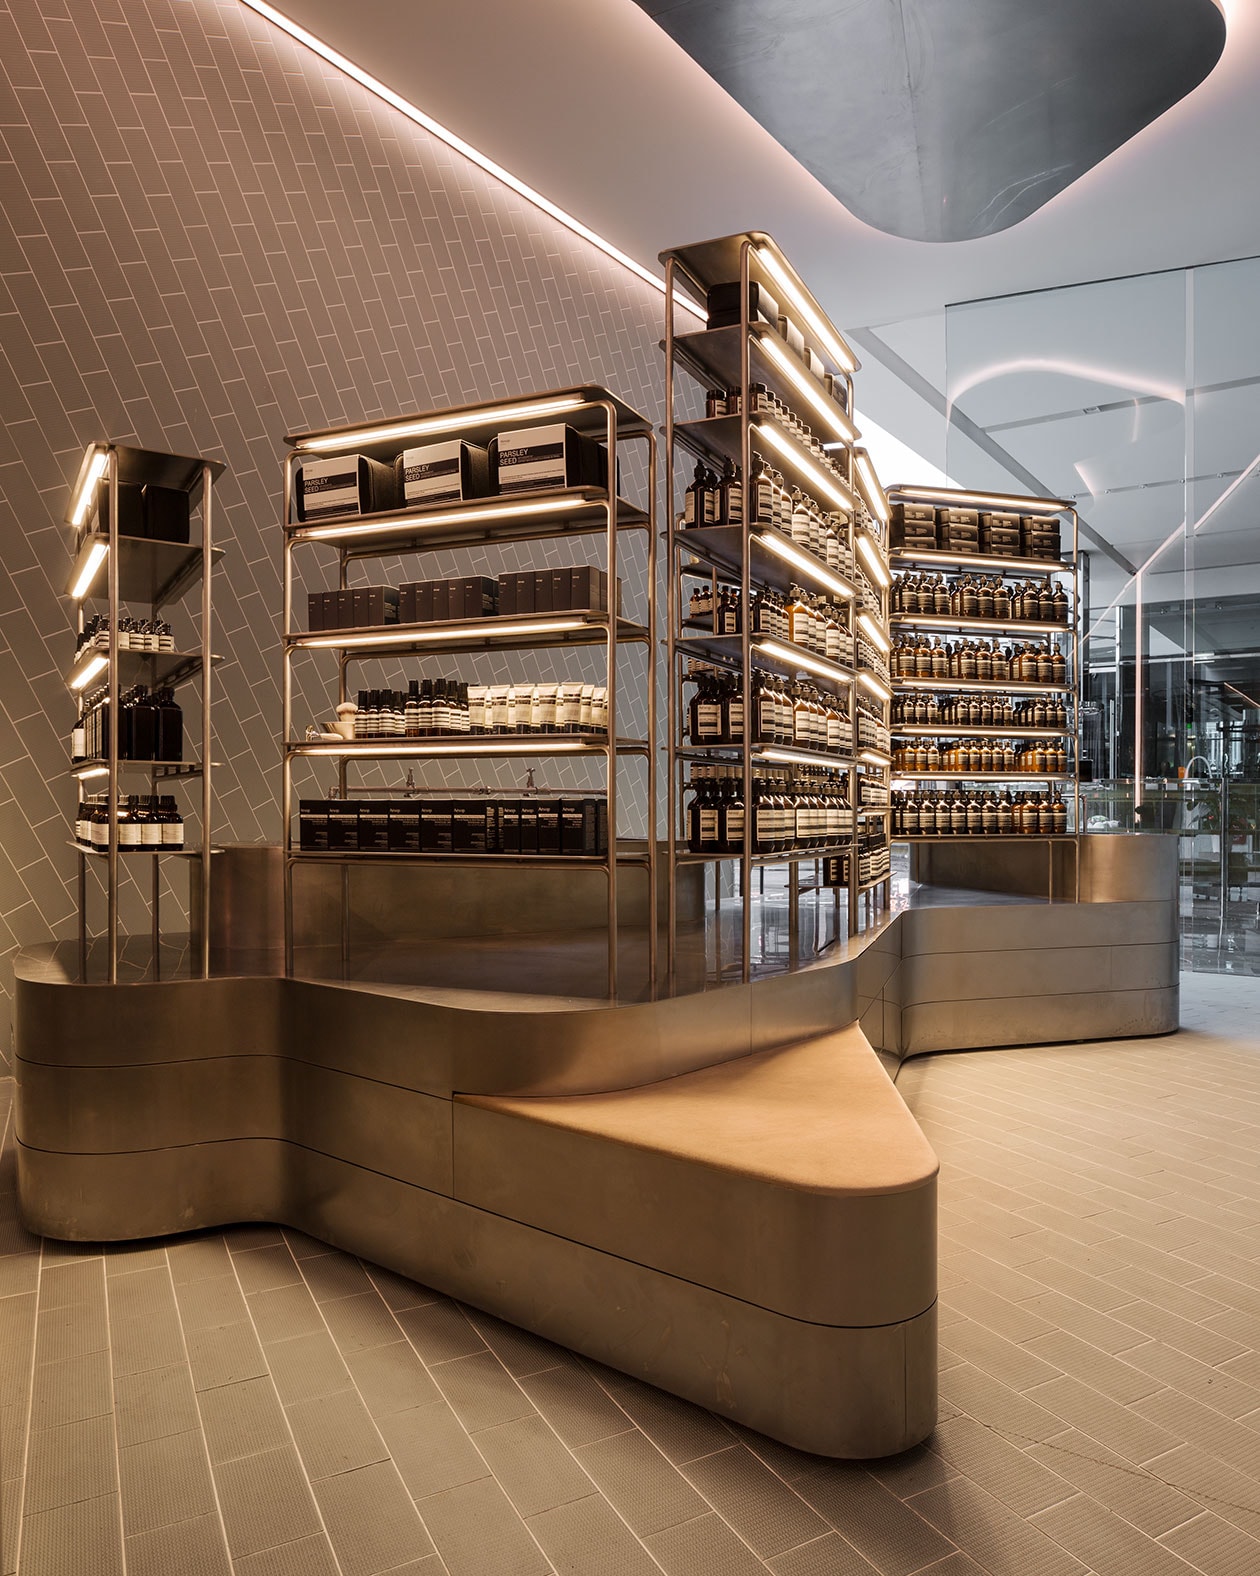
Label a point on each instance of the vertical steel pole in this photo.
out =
(610, 646)
(652, 830)
(745, 620)
(207, 685)
(286, 720)
(673, 723)
(112, 861)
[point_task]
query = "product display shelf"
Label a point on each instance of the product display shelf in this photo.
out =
(534, 515)
(949, 559)
(120, 568)
(811, 375)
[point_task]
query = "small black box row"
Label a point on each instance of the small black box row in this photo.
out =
(466, 824)
(159, 513)
(556, 591)
(441, 601)
(363, 607)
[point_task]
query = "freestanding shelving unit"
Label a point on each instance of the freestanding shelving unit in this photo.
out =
(793, 412)
(951, 563)
(119, 569)
(477, 523)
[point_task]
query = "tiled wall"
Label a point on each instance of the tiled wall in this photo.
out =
(209, 238)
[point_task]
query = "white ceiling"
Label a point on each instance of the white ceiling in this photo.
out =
(594, 106)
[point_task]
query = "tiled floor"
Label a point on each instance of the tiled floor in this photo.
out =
(250, 1402)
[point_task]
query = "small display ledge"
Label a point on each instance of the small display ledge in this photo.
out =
(965, 730)
(126, 852)
(576, 511)
(722, 438)
(166, 771)
(947, 775)
(150, 572)
(523, 631)
(689, 856)
(767, 754)
(712, 356)
(774, 650)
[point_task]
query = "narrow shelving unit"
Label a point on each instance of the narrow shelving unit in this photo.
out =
(120, 569)
(810, 526)
(922, 553)
(477, 522)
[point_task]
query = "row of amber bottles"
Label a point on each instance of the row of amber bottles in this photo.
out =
(982, 661)
(980, 596)
(966, 813)
(815, 623)
(922, 709)
(791, 811)
(784, 712)
(981, 755)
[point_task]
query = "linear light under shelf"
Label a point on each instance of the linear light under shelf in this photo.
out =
(813, 568)
(1016, 566)
(430, 424)
(874, 757)
(412, 634)
(822, 330)
(874, 496)
(86, 573)
(807, 386)
(872, 682)
(830, 486)
(874, 560)
(979, 625)
(874, 633)
(82, 674)
(403, 522)
(472, 744)
(984, 686)
(784, 753)
(1011, 502)
(793, 656)
(96, 468)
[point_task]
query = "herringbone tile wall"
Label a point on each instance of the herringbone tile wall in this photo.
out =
(209, 238)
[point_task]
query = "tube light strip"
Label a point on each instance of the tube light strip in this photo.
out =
(88, 672)
(873, 559)
(475, 743)
(938, 621)
(91, 566)
(805, 562)
(92, 771)
(874, 633)
(405, 107)
(807, 386)
(823, 331)
(873, 682)
(427, 424)
(96, 469)
(831, 486)
(415, 634)
(803, 659)
(875, 496)
(319, 533)
(1044, 566)
(984, 686)
(875, 758)
(797, 757)
(946, 498)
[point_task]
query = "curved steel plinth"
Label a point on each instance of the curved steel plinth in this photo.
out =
(722, 1194)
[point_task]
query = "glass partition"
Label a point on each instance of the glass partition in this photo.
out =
(1139, 399)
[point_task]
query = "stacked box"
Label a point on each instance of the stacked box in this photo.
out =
(915, 525)
(450, 472)
(1042, 537)
(533, 459)
(1000, 535)
(359, 608)
(440, 601)
(342, 487)
(556, 591)
(960, 530)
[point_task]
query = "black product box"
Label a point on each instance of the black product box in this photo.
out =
(438, 602)
(374, 605)
(601, 826)
(343, 825)
(449, 472)
(477, 597)
(436, 826)
(548, 826)
(1000, 535)
(541, 582)
(404, 826)
(415, 602)
(509, 826)
(722, 303)
(579, 826)
(344, 605)
(471, 826)
(588, 588)
(407, 603)
(344, 486)
(315, 612)
(373, 826)
(130, 508)
(914, 527)
(313, 825)
(527, 810)
(561, 596)
(516, 594)
(531, 459)
(166, 514)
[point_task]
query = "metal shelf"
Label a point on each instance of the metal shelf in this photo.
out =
(986, 837)
(948, 775)
(721, 437)
(528, 861)
(150, 572)
(729, 649)
(786, 857)
(940, 559)
(580, 511)
(965, 730)
(514, 632)
(945, 621)
(981, 686)
(467, 745)
(587, 412)
(712, 356)
(766, 754)
(780, 562)
(166, 771)
(158, 669)
(126, 853)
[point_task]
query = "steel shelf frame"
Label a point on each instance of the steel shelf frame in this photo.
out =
(752, 554)
(156, 574)
(1064, 568)
(530, 516)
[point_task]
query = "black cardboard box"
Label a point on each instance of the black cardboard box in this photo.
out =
(723, 305)
(531, 459)
(373, 826)
(435, 826)
(130, 508)
(313, 825)
(372, 606)
(315, 611)
(449, 472)
(404, 826)
(343, 825)
(343, 487)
